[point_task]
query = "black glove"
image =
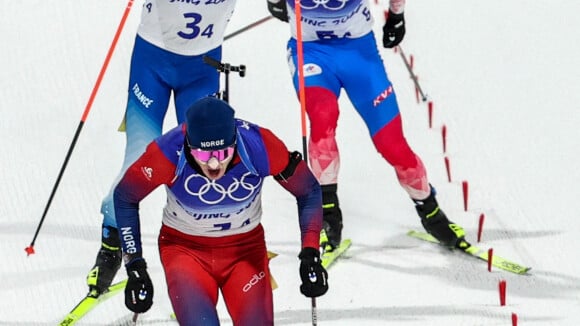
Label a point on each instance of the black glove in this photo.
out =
(278, 9)
(394, 30)
(314, 276)
(139, 288)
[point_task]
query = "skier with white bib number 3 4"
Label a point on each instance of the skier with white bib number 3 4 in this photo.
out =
(167, 59)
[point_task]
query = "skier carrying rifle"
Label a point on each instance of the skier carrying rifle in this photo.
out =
(167, 59)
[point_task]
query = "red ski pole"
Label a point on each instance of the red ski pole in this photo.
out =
(302, 96)
(300, 69)
(30, 249)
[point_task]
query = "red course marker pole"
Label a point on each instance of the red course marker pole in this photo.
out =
(480, 228)
(465, 187)
(502, 289)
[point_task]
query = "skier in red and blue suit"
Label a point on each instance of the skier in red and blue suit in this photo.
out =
(213, 168)
(340, 53)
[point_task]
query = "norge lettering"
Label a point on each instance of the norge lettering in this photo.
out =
(129, 240)
(212, 143)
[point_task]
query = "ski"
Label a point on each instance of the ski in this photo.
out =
(89, 302)
(497, 261)
(329, 255)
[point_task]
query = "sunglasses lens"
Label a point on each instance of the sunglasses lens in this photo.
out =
(204, 156)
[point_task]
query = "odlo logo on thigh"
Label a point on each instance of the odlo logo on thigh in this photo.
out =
(253, 281)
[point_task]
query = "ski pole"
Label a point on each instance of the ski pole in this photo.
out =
(247, 27)
(413, 76)
(225, 68)
(302, 96)
(300, 65)
(30, 249)
(314, 313)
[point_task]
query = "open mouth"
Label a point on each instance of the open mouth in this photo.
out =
(213, 172)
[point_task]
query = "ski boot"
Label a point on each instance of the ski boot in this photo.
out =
(332, 219)
(107, 263)
(438, 225)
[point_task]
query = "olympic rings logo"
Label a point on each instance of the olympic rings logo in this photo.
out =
(327, 4)
(238, 190)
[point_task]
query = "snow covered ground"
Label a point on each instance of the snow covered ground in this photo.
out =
(503, 77)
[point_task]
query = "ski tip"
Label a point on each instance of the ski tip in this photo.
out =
(522, 271)
(330, 257)
(346, 243)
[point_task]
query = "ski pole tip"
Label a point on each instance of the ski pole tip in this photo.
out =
(29, 250)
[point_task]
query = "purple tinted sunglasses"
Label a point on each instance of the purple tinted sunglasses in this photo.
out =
(204, 156)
